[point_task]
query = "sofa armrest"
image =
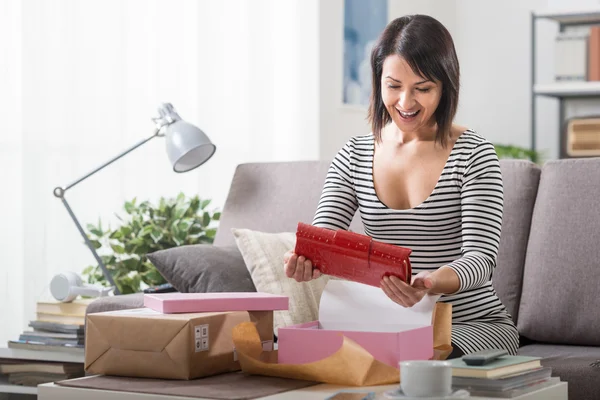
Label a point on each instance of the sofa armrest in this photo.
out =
(204, 268)
(114, 303)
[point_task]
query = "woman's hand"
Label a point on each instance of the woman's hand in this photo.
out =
(299, 268)
(408, 295)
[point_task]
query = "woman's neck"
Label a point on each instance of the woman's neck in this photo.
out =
(393, 134)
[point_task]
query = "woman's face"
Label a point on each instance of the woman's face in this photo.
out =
(410, 99)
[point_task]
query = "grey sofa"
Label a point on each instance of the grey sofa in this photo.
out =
(548, 270)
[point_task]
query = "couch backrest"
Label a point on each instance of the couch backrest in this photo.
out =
(520, 179)
(273, 197)
(561, 282)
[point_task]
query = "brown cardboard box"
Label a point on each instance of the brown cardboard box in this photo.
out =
(145, 343)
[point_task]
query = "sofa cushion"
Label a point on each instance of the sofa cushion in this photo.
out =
(116, 303)
(577, 365)
(520, 179)
(203, 268)
(560, 299)
(263, 254)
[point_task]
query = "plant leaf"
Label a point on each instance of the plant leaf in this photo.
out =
(205, 219)
(205, 203)
(117, 248)
(129, 208)
(156, 235)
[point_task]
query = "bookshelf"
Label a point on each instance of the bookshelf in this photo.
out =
(560, 91)
(6, 387)
(568, 89)
(37, 355)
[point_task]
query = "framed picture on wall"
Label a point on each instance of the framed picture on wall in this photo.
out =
(363, 22)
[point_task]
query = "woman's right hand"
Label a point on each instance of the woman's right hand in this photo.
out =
(299, 268)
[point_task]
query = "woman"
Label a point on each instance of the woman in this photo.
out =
(422, 182)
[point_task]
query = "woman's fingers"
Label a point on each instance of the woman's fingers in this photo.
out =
(385, 286)
(423, 281)
(308, 271)
(290, 266)
(399, 289)
(299, 268)
(299, 274)
(287, 255)
(409, 295)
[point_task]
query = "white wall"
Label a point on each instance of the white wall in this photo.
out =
(11, 162)
(88, 75)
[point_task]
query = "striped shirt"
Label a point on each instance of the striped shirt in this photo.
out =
(458, 226)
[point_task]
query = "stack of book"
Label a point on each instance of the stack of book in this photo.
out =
(505, 377)
(33, 373)
(57, 327)
(577, 54)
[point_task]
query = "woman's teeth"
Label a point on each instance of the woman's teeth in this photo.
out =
(408, 115)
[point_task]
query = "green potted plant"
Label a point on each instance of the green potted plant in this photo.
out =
(144, 229)
(510, 151)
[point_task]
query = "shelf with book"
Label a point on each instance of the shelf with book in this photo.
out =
(37, 355)
(576, 70)
(568, 89)
(10, 357)
(6, 387)
(571, 17)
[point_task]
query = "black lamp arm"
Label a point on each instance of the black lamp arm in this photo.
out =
(60, 193)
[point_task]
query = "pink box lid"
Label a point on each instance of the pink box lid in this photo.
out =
(169, 303)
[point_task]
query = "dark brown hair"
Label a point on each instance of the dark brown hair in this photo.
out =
(428, 48)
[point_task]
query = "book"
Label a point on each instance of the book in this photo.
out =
(503, 383)
(516, 392)
(352, 256)
(41, 367)
(47, 326)
(76, 308)
(50, 340)
(54, 335)
(61, 318)
(38, 378)
(28, 345)
(594, 54)
(502, 366)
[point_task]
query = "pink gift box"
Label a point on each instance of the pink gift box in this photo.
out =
(305, 343)
(169, 303)
(364, 314)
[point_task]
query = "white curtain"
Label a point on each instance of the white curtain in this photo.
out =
(83, 79)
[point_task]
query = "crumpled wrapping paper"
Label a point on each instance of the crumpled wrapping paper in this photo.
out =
(351, 365)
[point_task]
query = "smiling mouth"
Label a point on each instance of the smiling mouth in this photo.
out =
(408, 115)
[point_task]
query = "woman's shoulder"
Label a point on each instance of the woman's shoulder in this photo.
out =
(357, 145)
(472, 142)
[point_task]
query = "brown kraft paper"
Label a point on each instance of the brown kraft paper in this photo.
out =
(351, 365)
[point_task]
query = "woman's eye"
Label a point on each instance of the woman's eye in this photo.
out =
(423, 90)
(393, 87)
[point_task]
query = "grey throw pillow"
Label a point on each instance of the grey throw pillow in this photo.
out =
(203, 268)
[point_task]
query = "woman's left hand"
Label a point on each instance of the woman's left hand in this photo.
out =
(408, 295)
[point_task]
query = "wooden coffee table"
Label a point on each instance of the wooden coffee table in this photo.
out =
(51, 391)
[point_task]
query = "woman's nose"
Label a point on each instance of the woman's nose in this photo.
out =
(406, 100)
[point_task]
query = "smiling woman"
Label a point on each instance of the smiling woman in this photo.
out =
(422, 182)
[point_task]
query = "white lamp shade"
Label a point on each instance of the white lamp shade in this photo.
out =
(187, 146)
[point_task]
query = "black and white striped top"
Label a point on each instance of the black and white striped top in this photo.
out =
(458, 225)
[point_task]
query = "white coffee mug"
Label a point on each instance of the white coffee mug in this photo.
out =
(426, 378)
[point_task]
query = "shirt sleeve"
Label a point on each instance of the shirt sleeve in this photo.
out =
(338, 204)
(482, 202)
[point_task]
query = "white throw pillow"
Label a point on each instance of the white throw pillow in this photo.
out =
(263, 255)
